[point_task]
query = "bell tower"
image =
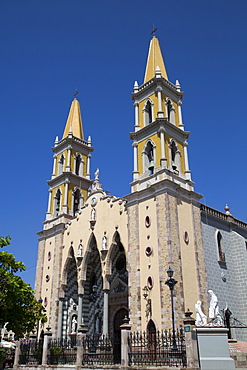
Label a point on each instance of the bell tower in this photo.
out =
(159, 139)
(70, 179)
(164, 210)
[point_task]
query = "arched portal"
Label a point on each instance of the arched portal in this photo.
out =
(92, 306)
(118, 321)
(118, 280)
(151, 335)
(70, 302)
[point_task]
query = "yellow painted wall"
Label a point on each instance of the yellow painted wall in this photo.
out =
(188, 261)
(149, 264)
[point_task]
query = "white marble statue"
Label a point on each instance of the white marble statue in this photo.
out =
(73, 325)
(79, 252)
(201, 318)
(93, 214)
(96, 174)
(213, 308)
(104, 242)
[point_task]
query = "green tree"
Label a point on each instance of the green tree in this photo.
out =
(18, 306)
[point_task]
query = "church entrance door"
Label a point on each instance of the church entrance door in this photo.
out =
(151, 333)
(118, 320)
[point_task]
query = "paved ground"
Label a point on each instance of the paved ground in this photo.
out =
(239, 347)
(238, 351)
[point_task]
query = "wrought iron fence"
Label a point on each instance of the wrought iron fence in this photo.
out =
(157, 349)
(31, 352)
(62, 351)
(9, 358)
(101, 350)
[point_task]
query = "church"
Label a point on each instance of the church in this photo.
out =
(101, 258)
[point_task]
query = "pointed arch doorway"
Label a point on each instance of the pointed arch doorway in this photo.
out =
(151, 335)
(118, 320)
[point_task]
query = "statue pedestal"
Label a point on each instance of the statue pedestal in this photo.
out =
(213, 348)
(73, 339)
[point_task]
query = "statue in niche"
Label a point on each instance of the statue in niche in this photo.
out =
(73, 325)
(201, 318)
(93, 215)
(98, 323)
(104, 242)
(214, 307)
(79, 252)
(96, 174)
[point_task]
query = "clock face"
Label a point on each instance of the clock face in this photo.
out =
(93, 201)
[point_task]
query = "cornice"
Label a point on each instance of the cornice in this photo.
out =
(149, 129)
(72, 177)
(161, 81)
(214, 214)
(74, 142)
(161, 187)
(55, 229)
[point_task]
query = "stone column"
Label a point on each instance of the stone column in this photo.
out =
(137, 126)
(17, 355)
(180, 118)
(47, 337)
(88, 166)
(186, 162)
(135, 172)
(65, 205)
(125, 330)
(54, 166)
(106, 311)
(163, 160)
(81, 335)
(49, 204)
(160, 111)
(79, 318)
(68, 168)
(191, 341)
(60, 318)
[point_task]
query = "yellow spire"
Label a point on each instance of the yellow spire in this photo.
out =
(74, 121)
(154, 60)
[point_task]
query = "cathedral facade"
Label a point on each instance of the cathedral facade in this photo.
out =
(102, 258)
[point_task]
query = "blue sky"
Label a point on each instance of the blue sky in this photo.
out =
(51, 48)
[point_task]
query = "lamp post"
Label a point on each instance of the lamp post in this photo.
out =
(93, 297)
(171, 283)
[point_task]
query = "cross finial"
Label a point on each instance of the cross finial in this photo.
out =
(153, 31)
(76, 92)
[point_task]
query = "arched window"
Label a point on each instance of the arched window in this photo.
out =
(175, 156)
(57, 202)
(60, 165)
(77, 164)
(148, 113)
(222, 258)
(149, 158)
(170, 111)
(169, 108)
(76, 205)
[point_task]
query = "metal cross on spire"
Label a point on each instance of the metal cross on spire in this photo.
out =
(153, 31)
(76, 92)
